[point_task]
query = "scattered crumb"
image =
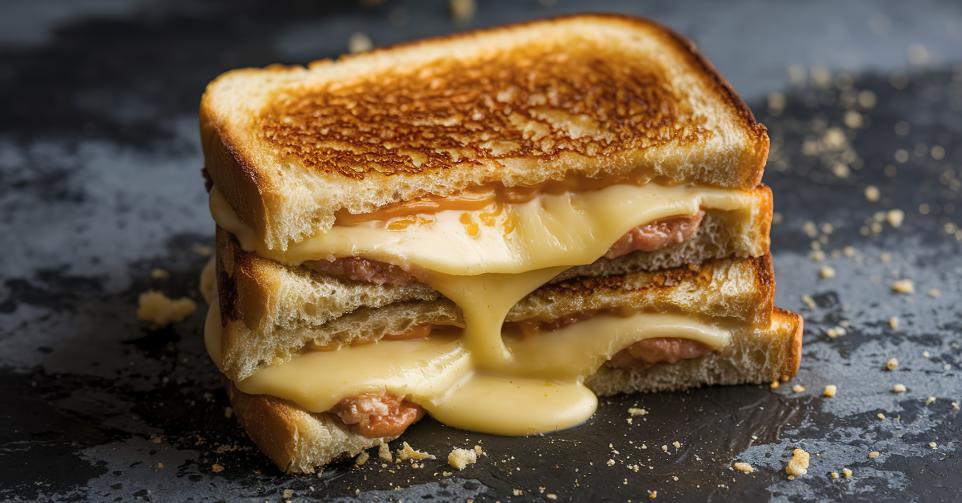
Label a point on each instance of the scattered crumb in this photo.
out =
(744, 467)
(517, 492)
(798, 388)
(809, 229)
(830, 391)
(676, 444)
(933, 445)
(798, 465)
(216, 467)
(899, 388)
(903, 286)
(846, 473)
(892, 364)
(361, 458)
(610, 462)
(384, 452)
(159, 466)
(834, 332)
(894, 323)
(873, 454)
(461, 458)
(935, 293)
(848, 251)
(158, 273)
(880, 416)
(955, 405)
(774, 385)
(359, 42)
(635, 411)
(551, 496)
(925, 354)
(228, 412)
(160, 310)
(895, 217)
(288, 494)
(652, 494)
(406, 452)
(834, 475)
(809, 301)
(872, 193)
(462, 11)
(826, 272)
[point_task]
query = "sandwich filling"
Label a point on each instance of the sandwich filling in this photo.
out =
(486, 255)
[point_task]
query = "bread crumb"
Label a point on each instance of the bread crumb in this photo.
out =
(834, 332)
(809, 229)
(894, 322)
(873, 454)
(955, 405)
(846, 473)
(158, 273)
(664, 448)
(361, 458)
(904, 286)
(892, 364)
(775, 384)
(384, 452)
(288, 494)
(925, 354)
(676, 444)
(635, 411)
(872, 193)
(461, 458)
(826, 272)
(848, 251)
(809, 301)
(840, 170)
(610, 462)
(933, 445)
(744, 467)
(517, 492)
(895, 217)
(899, 388)
(406, 452)
(830, 391)
(652, 494)
(798, 388)
(359, 42)
(160, 310)
(216, 467)
(935, 293)
(159, 466)
(798, 465)
(551, 496)
(880, 416)
(834, 475)
(462, 11)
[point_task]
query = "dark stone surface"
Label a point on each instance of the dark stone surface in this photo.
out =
(99, 183)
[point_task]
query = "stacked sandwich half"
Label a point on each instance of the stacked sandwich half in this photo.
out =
(490, 229)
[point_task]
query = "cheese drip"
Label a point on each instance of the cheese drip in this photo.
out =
(539, 390)
(487, 260)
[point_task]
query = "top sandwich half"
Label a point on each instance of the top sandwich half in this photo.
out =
(572, 104)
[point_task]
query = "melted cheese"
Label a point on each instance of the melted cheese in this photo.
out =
(486, 260)
(539, 390)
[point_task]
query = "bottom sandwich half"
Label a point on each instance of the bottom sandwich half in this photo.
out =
(332, 385)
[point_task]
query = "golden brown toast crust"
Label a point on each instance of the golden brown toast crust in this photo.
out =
(420, 118)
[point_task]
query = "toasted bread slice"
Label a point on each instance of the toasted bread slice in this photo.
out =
(298, 441)
(271, 311)
(578, 98)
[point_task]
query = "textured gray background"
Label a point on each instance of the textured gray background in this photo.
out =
(99, 183)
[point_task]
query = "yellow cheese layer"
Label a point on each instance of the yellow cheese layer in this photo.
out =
(487, 260)
(539, 390)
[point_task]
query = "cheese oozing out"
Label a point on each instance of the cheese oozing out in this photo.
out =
(485, 261)
(538, 390)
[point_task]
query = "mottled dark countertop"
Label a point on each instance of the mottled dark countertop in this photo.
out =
(100, 183)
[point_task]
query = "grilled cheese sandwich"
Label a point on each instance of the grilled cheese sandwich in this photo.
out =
(370, 271)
